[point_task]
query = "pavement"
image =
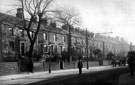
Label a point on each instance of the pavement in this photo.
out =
(25, 78)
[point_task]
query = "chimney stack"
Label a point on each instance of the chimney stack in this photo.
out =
(19, 13)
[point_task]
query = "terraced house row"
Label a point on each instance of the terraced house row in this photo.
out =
(14, 40)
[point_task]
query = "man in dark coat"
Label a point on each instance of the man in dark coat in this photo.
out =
(131, 62)
(80, 66)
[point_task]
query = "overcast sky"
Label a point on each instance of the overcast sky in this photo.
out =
(102, 15)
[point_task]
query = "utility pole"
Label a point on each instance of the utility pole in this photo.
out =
(50, 55)
(87, 48)
(50, 52)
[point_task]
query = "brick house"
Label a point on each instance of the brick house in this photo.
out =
(14, 40)
(12, 37)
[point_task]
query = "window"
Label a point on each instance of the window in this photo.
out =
(51, 49)
(11, 43)
(45, 36)
(22, 48)
(55, 37)
(64, 39)
(46, 49)
(61, 49)
(22, 33)
(11, 31)
(55, 48)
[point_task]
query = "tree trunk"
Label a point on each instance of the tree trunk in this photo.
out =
(69, 44)
(31, 50)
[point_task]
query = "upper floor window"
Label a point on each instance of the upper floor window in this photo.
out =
(64, 38)
(11, 31)
(22, 33)
(45, 36)
(55, 37)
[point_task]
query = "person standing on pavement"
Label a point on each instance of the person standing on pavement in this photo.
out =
(80, 66)
(131, 62)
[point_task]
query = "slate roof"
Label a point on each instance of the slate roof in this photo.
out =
(5, 18)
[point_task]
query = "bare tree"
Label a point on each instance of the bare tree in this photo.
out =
(36, 9)
(69, 17)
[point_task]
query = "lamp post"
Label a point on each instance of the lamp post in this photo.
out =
(87, 49)
(50, 54)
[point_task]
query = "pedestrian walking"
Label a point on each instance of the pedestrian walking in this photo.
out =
(131, 62)
(80, 66)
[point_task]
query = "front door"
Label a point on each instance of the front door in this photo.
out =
(22, 51)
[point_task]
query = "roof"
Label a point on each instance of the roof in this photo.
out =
(5, 18)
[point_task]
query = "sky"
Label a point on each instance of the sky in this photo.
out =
(100, 16)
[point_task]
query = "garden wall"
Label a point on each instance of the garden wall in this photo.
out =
(8, 68)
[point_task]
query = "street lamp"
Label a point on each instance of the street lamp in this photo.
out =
(50, 55)
(87, 48)
(49, 58)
